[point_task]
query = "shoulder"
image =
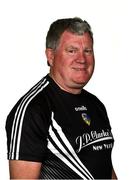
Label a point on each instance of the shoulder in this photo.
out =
(91, 96)
(95, 100)
(33, 103)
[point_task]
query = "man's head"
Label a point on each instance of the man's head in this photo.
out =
(69, 51)
(73, 25)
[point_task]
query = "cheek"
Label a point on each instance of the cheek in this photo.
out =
(91, 63)
(90, 60)
(63, 66)
(66, 62)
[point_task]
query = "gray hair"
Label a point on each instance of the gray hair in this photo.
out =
(74, 25)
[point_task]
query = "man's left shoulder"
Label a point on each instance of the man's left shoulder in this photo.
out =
(93, 98)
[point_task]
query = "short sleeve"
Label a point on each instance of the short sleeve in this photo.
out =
(27, 131)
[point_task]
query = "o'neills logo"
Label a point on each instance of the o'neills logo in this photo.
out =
(81, 108)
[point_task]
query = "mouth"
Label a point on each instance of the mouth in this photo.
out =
(79, 69)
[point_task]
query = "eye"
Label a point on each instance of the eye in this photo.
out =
(88, 51)
(71, 51)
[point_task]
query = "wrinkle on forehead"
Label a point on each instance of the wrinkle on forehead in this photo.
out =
(72, 39)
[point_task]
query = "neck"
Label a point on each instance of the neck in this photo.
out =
(69, 90)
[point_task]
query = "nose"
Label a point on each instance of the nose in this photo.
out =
(81, 58)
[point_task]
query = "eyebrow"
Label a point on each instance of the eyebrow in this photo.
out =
(76, 48)
(71, 47)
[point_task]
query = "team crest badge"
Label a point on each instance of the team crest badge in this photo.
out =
(86, 118)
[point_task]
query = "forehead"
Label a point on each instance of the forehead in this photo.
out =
(71, 38)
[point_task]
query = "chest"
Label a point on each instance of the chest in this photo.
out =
(84, 125)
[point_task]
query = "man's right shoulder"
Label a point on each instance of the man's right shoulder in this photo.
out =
(33, 100)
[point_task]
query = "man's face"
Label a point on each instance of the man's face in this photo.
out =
(72, 63)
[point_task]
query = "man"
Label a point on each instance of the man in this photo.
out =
(58, 130)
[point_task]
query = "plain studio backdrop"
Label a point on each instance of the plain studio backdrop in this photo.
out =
(23, 28)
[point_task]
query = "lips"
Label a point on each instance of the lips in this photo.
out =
(79, 68)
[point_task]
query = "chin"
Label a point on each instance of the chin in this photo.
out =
(82, 80)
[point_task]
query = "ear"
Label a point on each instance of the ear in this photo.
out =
(50, 56)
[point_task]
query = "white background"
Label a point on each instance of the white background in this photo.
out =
(23, 27)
